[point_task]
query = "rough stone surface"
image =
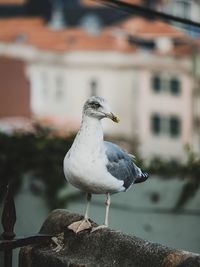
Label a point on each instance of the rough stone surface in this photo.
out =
(103, 248)
(190, 262)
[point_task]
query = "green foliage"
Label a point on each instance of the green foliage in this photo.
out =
(41, 154)
(188, 171)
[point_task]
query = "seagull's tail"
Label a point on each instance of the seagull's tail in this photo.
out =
(142, 178)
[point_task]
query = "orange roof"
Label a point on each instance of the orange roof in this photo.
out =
(11, 2)
(91, 3)
(133, 2)
(184, 49)
(33, 31)
(99, 3)
(149, 29)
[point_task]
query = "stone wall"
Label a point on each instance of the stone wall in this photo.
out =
(103, 248)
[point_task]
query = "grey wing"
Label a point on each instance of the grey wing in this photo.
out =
(121, 165)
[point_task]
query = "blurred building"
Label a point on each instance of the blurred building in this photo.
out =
(196, 98)
(188, 9)
(14, 91)
(142, 67)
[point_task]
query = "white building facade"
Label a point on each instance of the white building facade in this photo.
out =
(151, 94)
(188, 9)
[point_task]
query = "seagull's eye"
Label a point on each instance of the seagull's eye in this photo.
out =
(95, 105)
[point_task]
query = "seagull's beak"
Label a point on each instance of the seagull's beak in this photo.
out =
(112, 117)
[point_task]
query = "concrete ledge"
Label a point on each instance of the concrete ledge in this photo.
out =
(103, 248)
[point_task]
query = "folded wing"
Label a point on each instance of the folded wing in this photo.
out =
(120, 164)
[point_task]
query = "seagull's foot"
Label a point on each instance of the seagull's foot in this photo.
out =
(80, 226)
(94, 229)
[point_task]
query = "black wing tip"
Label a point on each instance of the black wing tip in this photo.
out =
(144, 176)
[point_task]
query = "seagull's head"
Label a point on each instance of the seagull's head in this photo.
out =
(97, 107)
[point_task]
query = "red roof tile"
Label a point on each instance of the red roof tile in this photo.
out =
(99, 3)
(149, 29)
(36, 33)
(184, 49)
(134, 2)
(90, 3)
(10, 2)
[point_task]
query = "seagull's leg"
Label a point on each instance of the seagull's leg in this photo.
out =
(89, 197)
(108, 202)
(105, 225)
(85, 223)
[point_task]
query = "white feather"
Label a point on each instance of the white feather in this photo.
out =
(85, 163)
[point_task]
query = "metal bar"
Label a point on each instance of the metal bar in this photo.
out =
(8, 242)
(24, 241)
(147, 12)
(8, 215)
(8, 258)
(8, 222)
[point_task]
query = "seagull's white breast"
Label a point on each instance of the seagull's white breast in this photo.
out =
(85, 168)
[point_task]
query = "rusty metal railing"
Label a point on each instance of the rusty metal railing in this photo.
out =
(8, 239)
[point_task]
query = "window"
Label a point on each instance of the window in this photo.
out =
(93, 88)
(165, 125)
(44, 85)
(59, 86)
(156, 84)
(182, 8)
(174, 126)
(165, 84)
(175, 86)
(156, 124)
(21, 38)
(91, 23)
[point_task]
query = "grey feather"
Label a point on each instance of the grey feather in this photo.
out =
(121, 166)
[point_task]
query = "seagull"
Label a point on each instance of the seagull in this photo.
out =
(96, 166)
